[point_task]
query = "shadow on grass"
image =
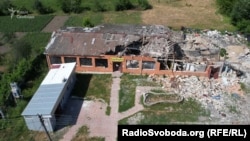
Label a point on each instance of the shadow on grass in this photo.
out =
(81, 85)
(69, 115)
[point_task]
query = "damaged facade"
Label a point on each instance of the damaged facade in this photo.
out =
(134, 49)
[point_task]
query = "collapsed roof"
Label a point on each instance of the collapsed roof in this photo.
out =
(154, 40)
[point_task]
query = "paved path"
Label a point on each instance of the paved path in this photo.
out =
(56, 23)
(92, 114)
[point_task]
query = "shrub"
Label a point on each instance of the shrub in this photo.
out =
(69, 6)
(87, 23)
(123, 5)
(144, 4)
(41, 8)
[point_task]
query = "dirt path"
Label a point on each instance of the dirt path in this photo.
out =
(56, 23)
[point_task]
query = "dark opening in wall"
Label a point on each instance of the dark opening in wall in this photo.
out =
(69, 59)
(86, 61)
(165, 65)
(101, 63)
(148, 65)
(55, 60)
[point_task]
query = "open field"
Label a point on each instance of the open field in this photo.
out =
(35, 24)
(188, 13)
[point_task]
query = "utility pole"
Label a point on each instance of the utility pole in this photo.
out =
(44, 127)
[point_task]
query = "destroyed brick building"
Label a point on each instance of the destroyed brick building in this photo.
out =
(135, 49)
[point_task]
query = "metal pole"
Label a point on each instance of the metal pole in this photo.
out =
(42, 122)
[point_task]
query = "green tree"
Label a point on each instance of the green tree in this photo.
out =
(21, 49)
(98, 6)
(69, 6)
(41, 8)
(226, 6)
(121, 5)
(87, 23)
(244, 26)
(144, 4)
(76, 6)
(4, 5)
(241, 10)
(66, 6)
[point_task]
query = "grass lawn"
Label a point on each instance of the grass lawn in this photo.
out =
(93, 86)
(165, 113)
(78, 20)
(83, 135)
(124, 17)
(37, 40)
(201, 14)
(24, 25)
(127, 89)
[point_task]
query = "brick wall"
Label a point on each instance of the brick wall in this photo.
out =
(124, 69)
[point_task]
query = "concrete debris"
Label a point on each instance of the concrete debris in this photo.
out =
(222, 96)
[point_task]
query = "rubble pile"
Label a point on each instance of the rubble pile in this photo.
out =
(213, 39)
(223, 96)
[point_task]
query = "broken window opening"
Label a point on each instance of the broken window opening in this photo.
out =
(179, 66)
(55, 60)
(69, 59)
(132, 64)
(86, 61)
(148, 65)
(165, 65)
(101, 63)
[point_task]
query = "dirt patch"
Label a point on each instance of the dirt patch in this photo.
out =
(56, 23)
(235, 51)
(188, 13)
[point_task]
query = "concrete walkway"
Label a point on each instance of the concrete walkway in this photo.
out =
(92, 114)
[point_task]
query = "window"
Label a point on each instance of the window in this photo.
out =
(86, 61)
(101, 63)
(69, 59)
(132, 64)
(148, 65)
(55, 60)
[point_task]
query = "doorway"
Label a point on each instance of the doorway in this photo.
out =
(117, 66)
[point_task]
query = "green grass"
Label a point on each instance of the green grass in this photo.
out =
(78, 20)
(24, 25)
(37, 40)
(28, 4)
(245, 88)
(14, 127)
(123, 17)
(93, 86)
(158, 90)
(83, 135)
(165, 113)
(128, 87)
